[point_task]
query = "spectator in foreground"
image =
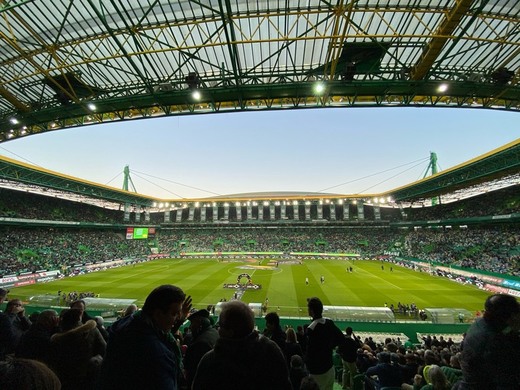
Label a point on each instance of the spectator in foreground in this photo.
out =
(241, 359)
(491, 355)
(297, 371)
(6, 330)
(26, 374)
(273, 330)
(349, 358)
(36, 342)
(323, 336)
(19, 322)
(77, 351)
(292, 347)
(388, 374)
(204, 339)
(142, 352)
(81, 306)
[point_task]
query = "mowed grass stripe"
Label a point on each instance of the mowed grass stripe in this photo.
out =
(368, 285)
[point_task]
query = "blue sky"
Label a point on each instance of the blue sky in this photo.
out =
(332, 150)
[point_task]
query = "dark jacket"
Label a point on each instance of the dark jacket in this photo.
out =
(140, 356)
(253, 363)
(350, 350)
(322, 337)
(388, 375)
(7, 338)
(490, 358)
(290, 350)
(76, 355)
(202, 343)
(36, 344)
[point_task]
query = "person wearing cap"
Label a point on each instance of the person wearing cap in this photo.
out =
(242, 358)
(142, 352)
(204, 338)
(323, 336)
(491, 356)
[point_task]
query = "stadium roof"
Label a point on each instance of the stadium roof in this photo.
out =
(73, 63)
(493, 170)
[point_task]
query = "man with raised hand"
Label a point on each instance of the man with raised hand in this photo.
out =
(142, 352)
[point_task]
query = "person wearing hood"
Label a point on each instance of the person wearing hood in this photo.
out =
(242, 358)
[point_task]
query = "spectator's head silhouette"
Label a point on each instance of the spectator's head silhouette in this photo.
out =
(163, 305)
(501, 310)
(236, 320)
(70, 319)
(26, 374)
(272, 321)
(315, 307)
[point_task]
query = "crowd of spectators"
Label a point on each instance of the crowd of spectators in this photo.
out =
(495, 249)
(32, 249)
(26, 205)
(501, 202)
(231, 354)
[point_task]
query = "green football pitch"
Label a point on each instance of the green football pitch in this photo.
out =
(284, 286)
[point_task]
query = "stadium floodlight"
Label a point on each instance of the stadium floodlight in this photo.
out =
(308, 202)
(354, 201)
(214, 204)
(295, 202)
(196, 94)
(237, 204)
(442, 88)
(319, 88)
(197, 204)
(340, 201)
(91, 106)
(226, 204)
(266, 203)
(14, 121)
